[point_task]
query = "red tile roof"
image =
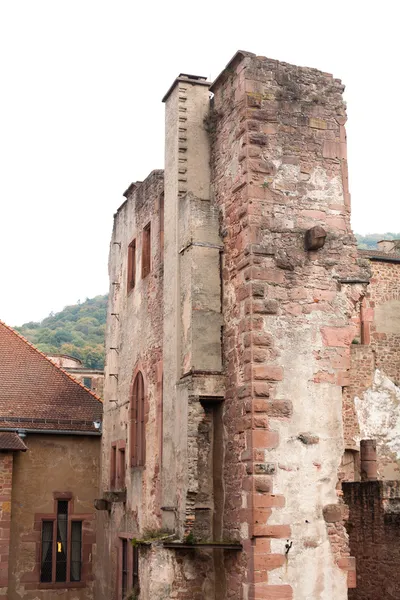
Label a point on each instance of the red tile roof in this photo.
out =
(37, 394)
(11, 441)
(380, 255)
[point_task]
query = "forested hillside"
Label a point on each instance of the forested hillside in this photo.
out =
(78, 330)
(369, 241)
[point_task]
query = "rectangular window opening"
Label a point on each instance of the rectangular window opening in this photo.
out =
(121, 468)
(76, 551)
(146, 251)
(46, 567)
(113, 466)
(131, 265)
(135, 569)
(61, 547)
(62, 540)
(124, 573)
(87, 382)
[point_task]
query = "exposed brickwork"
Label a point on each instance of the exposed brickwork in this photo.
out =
(6, 471)
(362, 366)
(376, 354)
(374, 529)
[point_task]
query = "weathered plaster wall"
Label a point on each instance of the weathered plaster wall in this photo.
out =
(374, 529)
(133, 343)
(279, 168)
(192, 336)
(73, 462)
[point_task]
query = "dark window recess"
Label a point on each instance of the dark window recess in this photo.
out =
(131, 279)
(46, 567)
(121, 468)
(76, 550)
(87, 382)
(138, 442)
(135, 568)
(113, 466)
(58, 552)
(124, 572)
(62, 540)
(146, 250)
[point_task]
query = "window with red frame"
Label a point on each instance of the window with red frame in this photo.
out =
(138, 441)
(61, 547)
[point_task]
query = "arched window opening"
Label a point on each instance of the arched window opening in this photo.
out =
(138, 442)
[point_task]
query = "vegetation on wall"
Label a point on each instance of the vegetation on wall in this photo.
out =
(78, 331)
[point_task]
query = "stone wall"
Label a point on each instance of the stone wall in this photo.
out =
(279, 169)
(371, 400)
(374, 529)
(133, 344)
(73, 462)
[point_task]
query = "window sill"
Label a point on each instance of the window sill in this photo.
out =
(62, 585)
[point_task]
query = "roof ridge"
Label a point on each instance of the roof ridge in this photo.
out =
(21, 337)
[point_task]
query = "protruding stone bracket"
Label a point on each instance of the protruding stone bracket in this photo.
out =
(315, 238)
(102, 504)
(114, 497)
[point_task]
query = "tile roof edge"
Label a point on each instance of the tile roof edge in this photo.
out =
(21, 337)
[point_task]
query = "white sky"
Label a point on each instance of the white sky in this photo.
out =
(81, 117)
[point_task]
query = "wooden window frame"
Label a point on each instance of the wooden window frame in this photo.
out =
(131, 268)
(32, 580)
(138, 422)
(146, 250)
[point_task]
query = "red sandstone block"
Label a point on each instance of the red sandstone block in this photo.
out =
(279, 408)
(343, 378)
(261, 576)
(260, 516)
(265, 439)
(337, 336)
(262, 545)
(272, 531)
(269, 500)
(351, 579)
(347, 563)
(272, 592)
(262, 339)
(268, 561)
(268, 372)
(260, 421)
(261, 389)
(267, 274)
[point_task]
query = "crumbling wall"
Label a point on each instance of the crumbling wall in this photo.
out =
(374, 529)
(279, 169)
(371, 400)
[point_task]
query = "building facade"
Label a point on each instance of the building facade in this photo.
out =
(49, 475)
(92, 379)
(236, 293)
